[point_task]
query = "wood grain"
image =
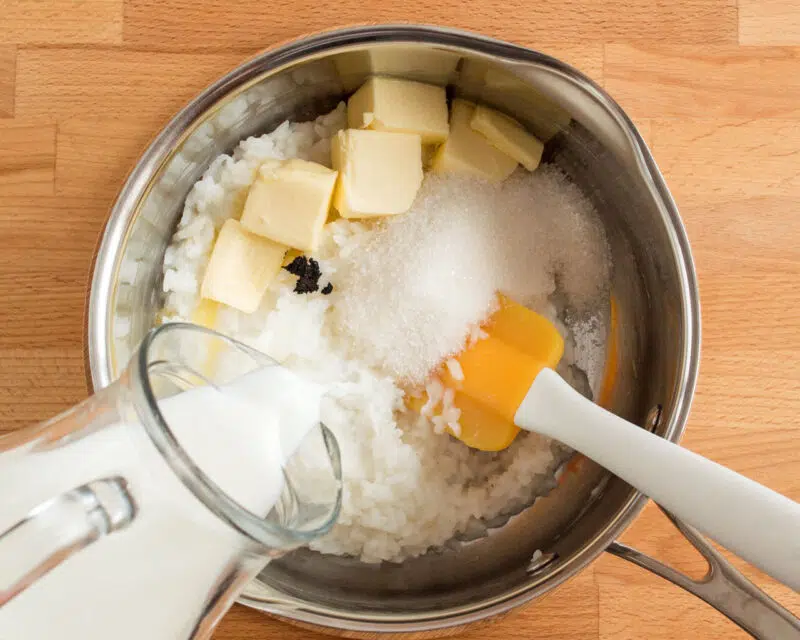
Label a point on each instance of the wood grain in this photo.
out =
(204, 24)
(8, 72)
(49, 243)
(27, 157)
(769, 22)
(61, 21)
(751, 158)
(633, 608)
(707, 81)
(42, 383)
(648, 614)
(143, 86)
(85, 84)
(115, 145)
(736, 182)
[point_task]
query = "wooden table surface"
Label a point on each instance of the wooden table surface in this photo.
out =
(714, 85)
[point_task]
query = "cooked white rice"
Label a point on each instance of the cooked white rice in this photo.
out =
(406, 488)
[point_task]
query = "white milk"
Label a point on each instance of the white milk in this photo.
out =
(150, 581)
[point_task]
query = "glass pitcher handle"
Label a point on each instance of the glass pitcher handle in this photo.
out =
(59, 528)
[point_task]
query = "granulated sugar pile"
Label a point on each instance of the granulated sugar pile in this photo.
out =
(411, 295)
(406, 293)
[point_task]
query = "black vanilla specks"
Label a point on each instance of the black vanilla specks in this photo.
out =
(308, 274)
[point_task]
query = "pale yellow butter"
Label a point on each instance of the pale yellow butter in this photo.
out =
(379, 172)
(289, 202)
(241, 267)
(205, 313)
(400, 106)
(467, 151)
(508, 135)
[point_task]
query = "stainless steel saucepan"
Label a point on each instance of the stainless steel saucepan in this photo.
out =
(654, 286)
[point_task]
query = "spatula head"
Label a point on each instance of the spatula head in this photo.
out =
(496, 372)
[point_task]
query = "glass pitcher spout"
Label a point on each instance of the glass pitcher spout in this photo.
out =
(158, 499)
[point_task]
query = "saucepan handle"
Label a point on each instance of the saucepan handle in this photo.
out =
(751, 520)
(59, 528)
(723, 587)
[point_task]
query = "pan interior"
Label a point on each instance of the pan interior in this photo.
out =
(602, 156)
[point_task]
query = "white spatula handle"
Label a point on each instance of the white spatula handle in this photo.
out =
(756, 523)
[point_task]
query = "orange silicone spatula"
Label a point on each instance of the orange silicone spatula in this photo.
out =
(502, 377)
(497, 372)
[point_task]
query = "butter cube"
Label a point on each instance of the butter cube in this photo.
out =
(467, 151)
(508, 135)
(400, 106)
(379, 172)
(241, 267)
(289, 202)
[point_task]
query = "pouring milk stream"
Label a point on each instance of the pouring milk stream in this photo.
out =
(144, 511)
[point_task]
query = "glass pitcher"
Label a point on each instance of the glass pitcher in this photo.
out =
(145, 510)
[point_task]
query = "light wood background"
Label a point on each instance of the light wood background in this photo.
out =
(714, 86)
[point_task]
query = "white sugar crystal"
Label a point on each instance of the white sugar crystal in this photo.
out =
(416, 292)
